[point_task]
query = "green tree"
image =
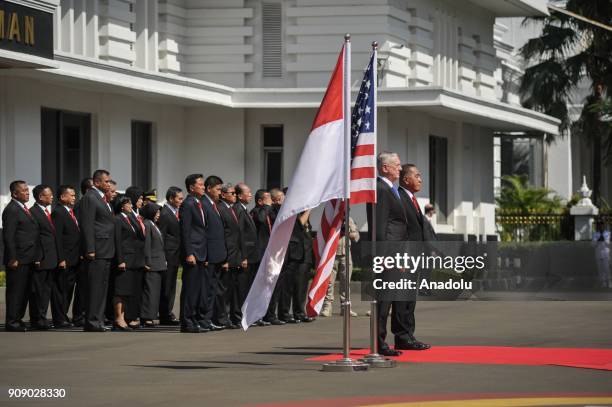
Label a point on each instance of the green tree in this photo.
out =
(570, 53)
(526, 213)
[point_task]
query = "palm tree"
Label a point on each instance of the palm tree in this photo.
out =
(570, 53)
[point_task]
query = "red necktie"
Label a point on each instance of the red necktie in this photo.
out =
(127, 219)
(234, 214)
(27, 211)
(74, 218)
(269, 223)
(49, 219)
(416, 205)
(178, 217)
(215, 208)
(201, 211)
(142, 226)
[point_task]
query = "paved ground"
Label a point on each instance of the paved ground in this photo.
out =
(266, 365)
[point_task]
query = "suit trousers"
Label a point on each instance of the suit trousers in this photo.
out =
(208, 292)
(17, 293)
(168, 293)
(402, 321)
(293, 294)
(271, 314)
(61, 293)
(151, 294)
(40, 295)
(241, 279)
(190, 293)
(223, 294)
(80, 301)
(98, 272)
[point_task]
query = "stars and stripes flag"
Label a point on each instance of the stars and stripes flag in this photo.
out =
(363, 186)
(320, 176)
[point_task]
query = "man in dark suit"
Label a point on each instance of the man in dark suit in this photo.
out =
(213, 314)
(170, 227)
(67, 235)
(42, 278)
(98, 232)
(80, 290)
(390, 227)
(22, 253)
(248, 232)
(264, 216)
(193, 253)
(410, 183)
(236, 277)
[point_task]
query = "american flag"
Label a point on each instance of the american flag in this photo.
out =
(363, 139)
(363, 186)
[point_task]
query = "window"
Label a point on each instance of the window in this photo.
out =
(272, 40)
(141, 154)
(273, 156)
(66, 147)
(438, 170)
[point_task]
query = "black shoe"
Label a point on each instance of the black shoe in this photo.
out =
(276, 321)
(15, 328)
(389, 352)
(261, 322)
(232, 326)
(62, 325)
(305, 319)
(214, 327)
(119, 328)
(415, 345)
(134, 326)
(41, 326)
(147, 324)
(77, 323)
(191, 329)
(172, 322)
(95, 329)
(291, 321)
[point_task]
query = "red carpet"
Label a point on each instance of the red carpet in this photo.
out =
(586, 358)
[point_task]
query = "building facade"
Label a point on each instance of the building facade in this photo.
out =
(156, 89)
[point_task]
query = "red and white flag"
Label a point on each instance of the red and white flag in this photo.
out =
(320, 176)
(363, 186)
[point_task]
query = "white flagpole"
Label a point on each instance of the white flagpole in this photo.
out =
(373, 358)
(346, 364)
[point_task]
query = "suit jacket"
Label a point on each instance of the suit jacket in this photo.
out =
(67, 235)
(193, 230)
(21, 235)
(390, 215)
(264, 217)
(215, 233)
(48, 241)
(414, 219)
(97, 225)
(129, 243)
(248, 232)
(155, 257)
(234, 243)
(170, 227)
(295, 249)
(429, 234)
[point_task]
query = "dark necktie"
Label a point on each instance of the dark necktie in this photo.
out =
(74, 218)
(416, 205)
(49, 218)
(27, 211)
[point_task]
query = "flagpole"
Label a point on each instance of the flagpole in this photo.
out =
(346, 364)
(374, 359)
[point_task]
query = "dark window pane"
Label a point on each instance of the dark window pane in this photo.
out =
(141, 154)
(273, 169)
(438, 170)
(273, 136)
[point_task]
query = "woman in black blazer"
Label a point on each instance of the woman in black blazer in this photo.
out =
(155, 264)
(129, 257)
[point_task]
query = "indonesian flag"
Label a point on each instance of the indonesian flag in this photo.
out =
(363, 186)
(319, 177)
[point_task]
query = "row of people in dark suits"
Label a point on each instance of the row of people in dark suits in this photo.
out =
(120, 259)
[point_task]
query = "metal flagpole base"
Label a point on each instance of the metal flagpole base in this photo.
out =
(377, 361)
(345, 365)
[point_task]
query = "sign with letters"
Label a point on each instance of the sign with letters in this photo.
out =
(26, 30)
